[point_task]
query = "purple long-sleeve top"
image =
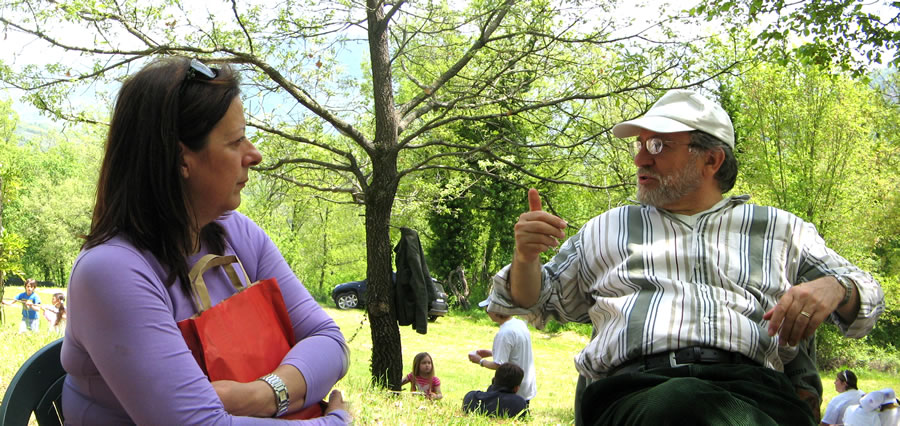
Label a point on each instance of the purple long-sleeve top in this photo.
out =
(126, 359)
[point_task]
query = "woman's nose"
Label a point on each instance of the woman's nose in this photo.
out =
(253, 156)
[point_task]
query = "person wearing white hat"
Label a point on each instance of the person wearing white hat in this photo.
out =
(697, 300)
(512, 344)
(871, 410)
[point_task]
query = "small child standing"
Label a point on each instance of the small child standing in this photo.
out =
(30, 306)
(422, 377)
(56, 314)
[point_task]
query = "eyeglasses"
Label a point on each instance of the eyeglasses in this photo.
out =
(200, 70)
(654, 145)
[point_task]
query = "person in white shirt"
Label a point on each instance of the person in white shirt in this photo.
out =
(848, 394)
(512, 344)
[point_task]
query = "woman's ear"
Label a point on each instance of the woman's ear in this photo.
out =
(185, 168)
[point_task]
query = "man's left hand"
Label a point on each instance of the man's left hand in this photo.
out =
(803, 308)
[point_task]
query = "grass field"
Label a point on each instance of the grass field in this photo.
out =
(449, 340)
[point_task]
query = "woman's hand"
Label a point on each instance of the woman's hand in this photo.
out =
(336, 402)
(256, 398)
(253, 399)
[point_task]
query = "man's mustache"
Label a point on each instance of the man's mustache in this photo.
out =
(648, 172)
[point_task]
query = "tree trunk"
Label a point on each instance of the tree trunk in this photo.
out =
(387, 354)
(324, 249)
(459, 286)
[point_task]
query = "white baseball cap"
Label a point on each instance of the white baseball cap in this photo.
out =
(874, 400)
(681, 110)
(484, 302)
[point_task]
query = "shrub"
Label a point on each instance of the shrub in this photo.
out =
(833, 351)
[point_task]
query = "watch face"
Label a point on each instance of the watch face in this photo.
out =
(282, 399)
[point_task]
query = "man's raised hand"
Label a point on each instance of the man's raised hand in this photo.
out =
(537, 230)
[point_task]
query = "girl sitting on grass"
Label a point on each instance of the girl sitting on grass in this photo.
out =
(423, 380)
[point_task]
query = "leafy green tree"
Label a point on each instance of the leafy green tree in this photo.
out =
(320, 239)
(427, 66)
(52, 208)
(847, 33)
(806, 144)
(11, 245)
(819, 145)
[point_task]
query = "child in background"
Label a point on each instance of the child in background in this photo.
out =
(422, 377)
(56, 313)
(30, 305)
(500, 399)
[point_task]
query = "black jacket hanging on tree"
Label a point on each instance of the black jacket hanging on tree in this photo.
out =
(413, 291)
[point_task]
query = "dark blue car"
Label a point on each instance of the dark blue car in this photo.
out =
(352, 294)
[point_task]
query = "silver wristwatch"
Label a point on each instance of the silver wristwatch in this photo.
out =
(848, 291)
(282, 399)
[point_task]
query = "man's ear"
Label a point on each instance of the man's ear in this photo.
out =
(515, 389)
(713, 161)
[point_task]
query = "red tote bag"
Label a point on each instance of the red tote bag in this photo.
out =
(245, 336)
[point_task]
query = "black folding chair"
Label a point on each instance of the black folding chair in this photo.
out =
(36, 388)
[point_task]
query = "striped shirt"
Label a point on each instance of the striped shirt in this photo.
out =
(650, 282)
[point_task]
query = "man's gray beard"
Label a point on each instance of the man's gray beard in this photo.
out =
(671, 188)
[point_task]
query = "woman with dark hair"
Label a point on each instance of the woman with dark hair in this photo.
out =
(176, 160)
(848, 394)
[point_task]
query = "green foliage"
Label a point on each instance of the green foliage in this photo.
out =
(834, 351)
(12, 245)
(12, 250)
(48, 192)
(455, 236)
(554, 327)
(806, 144)
(472, 225)
(323, 242)
(887, 331)
(849, 34)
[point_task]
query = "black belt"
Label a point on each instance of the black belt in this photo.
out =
(683, 356)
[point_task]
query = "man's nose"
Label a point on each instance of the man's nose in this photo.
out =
(643, 158)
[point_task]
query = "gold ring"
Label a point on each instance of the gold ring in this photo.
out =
(804, 313)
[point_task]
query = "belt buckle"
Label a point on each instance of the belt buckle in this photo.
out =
(672, 362)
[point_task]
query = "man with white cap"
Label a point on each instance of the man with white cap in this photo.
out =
(512, 344)
(697, 300)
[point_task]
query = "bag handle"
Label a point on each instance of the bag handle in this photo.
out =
(199, 292)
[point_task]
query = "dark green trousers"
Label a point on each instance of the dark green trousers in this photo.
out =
(718, 394)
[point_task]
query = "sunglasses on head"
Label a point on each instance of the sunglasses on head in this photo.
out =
(199, 70)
